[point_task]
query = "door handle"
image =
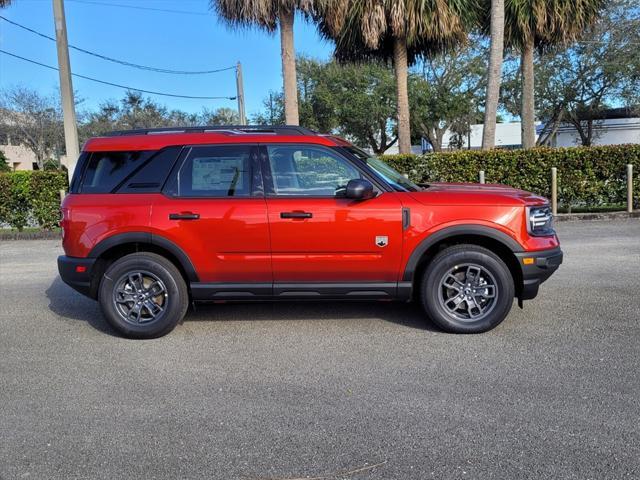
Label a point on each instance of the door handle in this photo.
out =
(296, 214)
(184, 216)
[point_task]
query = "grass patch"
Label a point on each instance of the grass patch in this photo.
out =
(594, 209)
(30, 233)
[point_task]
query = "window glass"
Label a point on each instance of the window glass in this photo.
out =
(106, 170)
(398, 181)
(216, 172)
(309, 170)
(151, 176)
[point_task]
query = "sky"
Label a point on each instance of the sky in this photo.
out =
(153, 33)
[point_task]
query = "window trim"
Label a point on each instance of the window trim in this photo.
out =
(267, 173)
(256, 189)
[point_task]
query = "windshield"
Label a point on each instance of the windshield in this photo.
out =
(398, 181)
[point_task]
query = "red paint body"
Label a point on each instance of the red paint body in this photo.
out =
(244, 239)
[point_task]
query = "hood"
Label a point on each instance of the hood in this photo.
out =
(475, 194)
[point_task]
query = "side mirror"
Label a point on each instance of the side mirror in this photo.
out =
(360, 189)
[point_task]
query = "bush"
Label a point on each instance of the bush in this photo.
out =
(586, 175)
(28, 195)
(4, 165)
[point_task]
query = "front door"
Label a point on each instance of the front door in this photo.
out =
(318, 235)
(214, 209)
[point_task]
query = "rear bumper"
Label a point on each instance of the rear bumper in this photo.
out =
(537, 270)
(76, 272)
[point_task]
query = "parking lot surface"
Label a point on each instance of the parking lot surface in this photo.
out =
(327, 390)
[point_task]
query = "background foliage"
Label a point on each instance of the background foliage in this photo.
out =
(31, 197)
(586, 175)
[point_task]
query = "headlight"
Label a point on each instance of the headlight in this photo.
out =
(540, 221)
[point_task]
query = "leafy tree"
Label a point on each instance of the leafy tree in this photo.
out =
(4, 163)
(398, 31)
(135, 111)
(363, 97)
(356, 101)
(541, 24)
(446, 95)
(273, 113)
(269, 15)
(34, 120)
(600, 70)
(219, 116)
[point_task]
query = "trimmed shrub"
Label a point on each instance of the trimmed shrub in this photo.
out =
(586, 175)
(31, 196)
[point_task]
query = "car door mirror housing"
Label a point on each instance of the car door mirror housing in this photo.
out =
(360, 189)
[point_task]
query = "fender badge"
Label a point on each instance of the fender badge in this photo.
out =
(382, 241)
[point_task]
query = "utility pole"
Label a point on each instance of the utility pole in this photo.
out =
(240, 94)
(71, 141)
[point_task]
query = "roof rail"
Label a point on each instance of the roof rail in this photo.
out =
(234, 129)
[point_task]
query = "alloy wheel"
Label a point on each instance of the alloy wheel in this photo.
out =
(468, 292)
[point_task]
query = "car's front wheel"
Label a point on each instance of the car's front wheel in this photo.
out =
(143, 295)
(467, 289)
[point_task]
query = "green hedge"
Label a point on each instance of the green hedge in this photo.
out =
(31, 197)
(586, 175)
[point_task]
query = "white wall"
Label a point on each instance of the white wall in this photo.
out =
(507, 134)
(18, 157)
(607, 132)
(613, 131)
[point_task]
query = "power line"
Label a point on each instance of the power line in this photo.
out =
(115, 60)
(116, 84)
(136, 7)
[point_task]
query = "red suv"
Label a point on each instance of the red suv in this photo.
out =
(157, 219)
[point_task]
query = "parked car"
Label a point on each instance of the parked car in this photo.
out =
(157, 219)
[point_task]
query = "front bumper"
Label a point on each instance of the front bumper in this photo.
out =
(536, 267)
(76, 272)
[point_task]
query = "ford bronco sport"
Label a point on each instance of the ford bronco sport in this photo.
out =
(157, 219)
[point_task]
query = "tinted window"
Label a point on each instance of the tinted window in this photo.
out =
(106, 170)
(223, 171)
(152, 174)
(309, 170)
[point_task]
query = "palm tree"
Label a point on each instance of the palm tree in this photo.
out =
(269, 15)
(494, 77)
(394, 30)
(542, 24)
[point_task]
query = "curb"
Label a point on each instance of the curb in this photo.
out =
(572, 217)
(41, 235)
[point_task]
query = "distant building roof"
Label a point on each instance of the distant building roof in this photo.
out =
(632, 111)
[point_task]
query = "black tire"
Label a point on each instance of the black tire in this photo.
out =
(153, 269)
(435, 296)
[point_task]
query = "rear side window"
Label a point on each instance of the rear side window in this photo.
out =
(106, 170)
(150, 177)
(220, 171)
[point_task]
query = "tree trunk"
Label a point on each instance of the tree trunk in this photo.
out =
(401, 69)
(528, 97)
(494, 75)
(289, 68)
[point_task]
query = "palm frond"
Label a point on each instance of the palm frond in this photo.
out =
(257, 13)
(365, 29)
(548, 22)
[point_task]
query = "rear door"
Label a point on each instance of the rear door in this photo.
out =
(318, 235)
(213, 208)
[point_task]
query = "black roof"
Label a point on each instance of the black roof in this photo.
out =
(237, 129)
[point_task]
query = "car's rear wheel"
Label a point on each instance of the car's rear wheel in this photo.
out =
(467, 289)
(143, 295)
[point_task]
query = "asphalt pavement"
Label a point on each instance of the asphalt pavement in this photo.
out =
(327, 390)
